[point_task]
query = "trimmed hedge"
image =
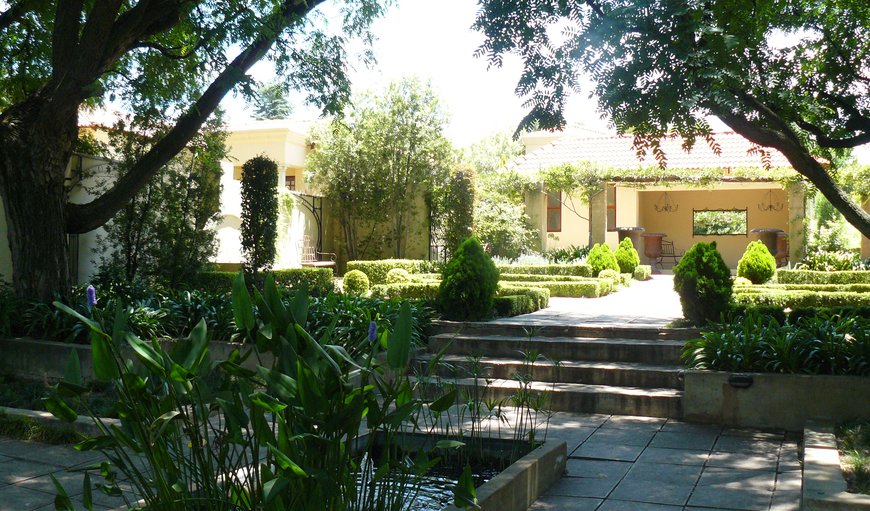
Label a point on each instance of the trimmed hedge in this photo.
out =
(642, 272)
(738, 312)
(852, 288)
(592, 288)
(795, 299)
(540, 295)
(356, 283)
(319, 280)
(409, 291)
(377, 270)
(822, 277)
(531, 277)
(578, 270)
(513, 305)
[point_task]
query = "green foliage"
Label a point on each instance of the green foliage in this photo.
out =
(513, 305)
(271, 102)
(451, 208)
(377, 270)
(784, 276)
(823, 344)
(571, 254)
(426, 291)
(166, 233)
(491, 153)
(757, 264)
(642, 272)
(398, 276)
(534, 277)
(817, 259)
(376, 162)
(29, 430)
(356, 283)
(500, 219)
(601, 258)
(703, 282)
(579, 269)
(654, 85)
(745, 286)
(591, 288)
(626, 256)
(802, 298)
(283, 414)
(469, 282)
(317, 280)
(259, 212)
(539, 295)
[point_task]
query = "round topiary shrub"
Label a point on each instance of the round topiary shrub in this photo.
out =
(469, 282)
(356, 283)
(757, 263)
(607, 273)
(398, 276)
(742, 281)
(703, 282)
(601, 258)
(626, 256)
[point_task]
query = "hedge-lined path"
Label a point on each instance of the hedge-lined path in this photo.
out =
(650, 303)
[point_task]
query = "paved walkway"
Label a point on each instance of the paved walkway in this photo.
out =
(615, 463)
(650, 303)
(620, 463)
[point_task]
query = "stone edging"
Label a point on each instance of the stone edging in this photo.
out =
(823, 485)
(519, 486)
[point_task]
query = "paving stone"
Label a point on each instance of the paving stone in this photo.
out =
(747, 444)
(71, 482)
(627, 505)
(60, 455)
(622, 436)
(744, 460)
(789, 481)
(673, 426)
(673, 456)
(786, 501)
(729, 478)
(560, 503)
(773, 435)
(16, 498)
(608, 451)
(573, 437)
(633, 422)
(573, 420)
(730, 498)
(16, 471)
(594, 478)
(657, 483)
(701, 440)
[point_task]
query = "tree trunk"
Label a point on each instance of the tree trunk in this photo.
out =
(35, 147)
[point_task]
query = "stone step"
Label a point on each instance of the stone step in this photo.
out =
(590, 331)
(658, 352)
(583, 398)
(624, 374)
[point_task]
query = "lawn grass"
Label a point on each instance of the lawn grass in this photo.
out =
(853, 440)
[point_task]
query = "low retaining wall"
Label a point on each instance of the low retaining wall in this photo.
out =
(823, 485)
(766, 400)
(46, 360)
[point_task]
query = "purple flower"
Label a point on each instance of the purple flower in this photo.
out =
(91, 294)
(373, 331)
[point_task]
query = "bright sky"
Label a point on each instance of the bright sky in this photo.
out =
(433, 40)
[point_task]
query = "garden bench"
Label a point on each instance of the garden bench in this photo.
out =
(312, 258)
(668, 252)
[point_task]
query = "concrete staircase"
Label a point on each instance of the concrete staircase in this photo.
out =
(597, 369)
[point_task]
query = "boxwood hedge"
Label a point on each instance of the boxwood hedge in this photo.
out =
(377, 270)
(822, 277)
(319, 280)
(578, 270)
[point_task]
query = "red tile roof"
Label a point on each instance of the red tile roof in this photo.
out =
(617, 152)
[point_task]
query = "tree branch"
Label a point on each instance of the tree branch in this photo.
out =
(87, 217)
(65, 38)
(803, 162)
(840, 143)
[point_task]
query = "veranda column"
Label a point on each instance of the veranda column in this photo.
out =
(598, 217)
(796, 225)
(865, 242)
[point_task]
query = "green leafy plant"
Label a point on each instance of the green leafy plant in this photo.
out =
(784, 276)
(259, 212)
(469, 283)
(398, 276)
(626, 256)
(703, 281)
(377, 270)
(356, 283)
(601, 258)
(757, 264)
(571, 254)
(642, 272)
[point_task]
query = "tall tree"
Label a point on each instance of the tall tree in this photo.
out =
(792, 76)
(271, 102)
(387, 153)
(175, 57)
(167, 231)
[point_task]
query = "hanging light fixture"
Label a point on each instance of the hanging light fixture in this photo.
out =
(770, 205)
(666, 205)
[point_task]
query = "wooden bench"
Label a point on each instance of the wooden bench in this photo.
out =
(668, 252)
(311, 258)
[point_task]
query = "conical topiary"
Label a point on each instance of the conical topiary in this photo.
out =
(469, 282)
(703, 282)
(626, 256)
